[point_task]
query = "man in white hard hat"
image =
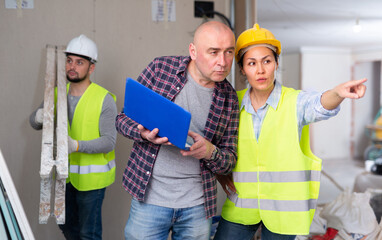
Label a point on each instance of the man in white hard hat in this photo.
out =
(91, 141)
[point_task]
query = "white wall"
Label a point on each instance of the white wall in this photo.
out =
(127, 40)
(323, 69)
(291, 70)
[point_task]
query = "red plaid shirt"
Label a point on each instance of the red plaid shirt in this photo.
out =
(167, 76)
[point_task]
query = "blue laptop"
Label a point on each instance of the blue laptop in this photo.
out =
(152, 110)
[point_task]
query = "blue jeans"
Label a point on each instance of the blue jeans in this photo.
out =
(233, 231)
(83, 218)
(151, 222)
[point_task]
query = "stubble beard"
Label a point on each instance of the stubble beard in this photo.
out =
(77, 79)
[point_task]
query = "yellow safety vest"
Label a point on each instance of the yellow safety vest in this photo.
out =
(96, 170)
(277, 178)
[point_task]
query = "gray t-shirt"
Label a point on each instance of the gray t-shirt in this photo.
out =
(176, 180)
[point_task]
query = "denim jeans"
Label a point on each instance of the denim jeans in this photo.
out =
(233, 231)
(148, 222)
(83, 218)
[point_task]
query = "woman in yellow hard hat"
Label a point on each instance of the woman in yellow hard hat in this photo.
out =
(276, 180)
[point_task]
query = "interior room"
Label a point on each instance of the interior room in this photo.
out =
(324, 43)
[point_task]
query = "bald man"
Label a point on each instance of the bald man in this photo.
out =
(173, 189)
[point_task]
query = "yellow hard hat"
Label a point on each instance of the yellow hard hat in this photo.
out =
(256, 35)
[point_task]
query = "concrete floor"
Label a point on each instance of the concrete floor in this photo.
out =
(343, 171)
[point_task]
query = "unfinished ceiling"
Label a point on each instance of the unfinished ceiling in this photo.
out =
(327, 23)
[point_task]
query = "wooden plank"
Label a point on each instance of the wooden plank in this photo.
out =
(45, 196)
(62, 117)
(59, 201)
(54, 157)
(47, 137)
(62, 139)
(48, 121)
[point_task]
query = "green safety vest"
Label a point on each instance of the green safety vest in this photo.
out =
(90, 171)
(277, 178)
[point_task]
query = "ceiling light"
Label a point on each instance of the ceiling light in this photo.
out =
(357, 27)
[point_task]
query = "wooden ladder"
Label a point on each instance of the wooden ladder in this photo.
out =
(54, 150)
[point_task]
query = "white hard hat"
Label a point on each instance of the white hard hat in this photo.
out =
(83, 46)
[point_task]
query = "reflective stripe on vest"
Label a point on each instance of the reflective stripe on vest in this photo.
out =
(92, 168)
(290, 176)
(274, 205)
(274, 177)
